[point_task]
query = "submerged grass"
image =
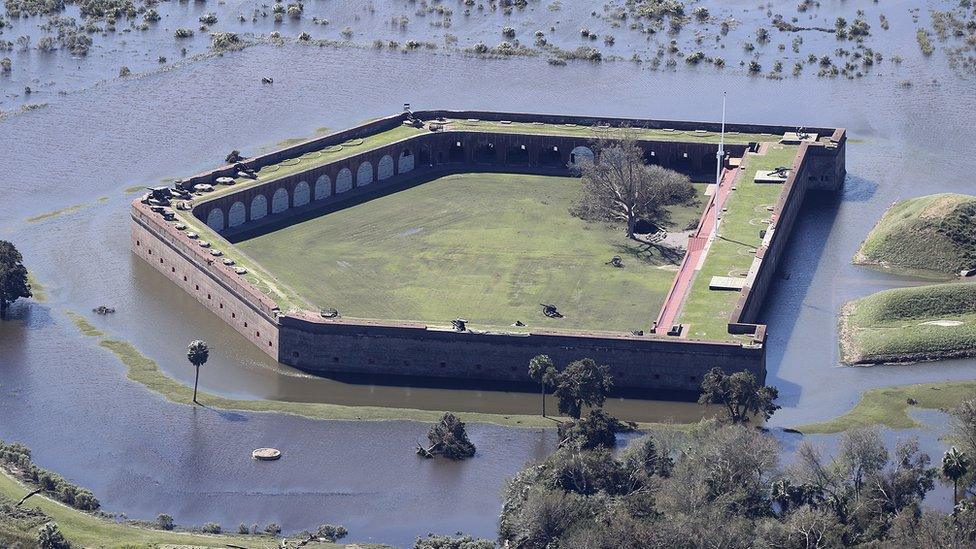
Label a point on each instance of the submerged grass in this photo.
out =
(910, 324)
(144, 370)
(889, 406)
(56, 213)
(85, 327)
(37, 289)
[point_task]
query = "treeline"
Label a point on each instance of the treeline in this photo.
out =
(722, 483)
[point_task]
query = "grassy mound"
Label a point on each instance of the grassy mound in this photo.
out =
(930, 233)
(910, 325)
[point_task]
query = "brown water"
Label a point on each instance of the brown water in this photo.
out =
(69, 400)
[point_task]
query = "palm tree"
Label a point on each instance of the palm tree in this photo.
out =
(197, 353)
(543, 372)
(955, 464)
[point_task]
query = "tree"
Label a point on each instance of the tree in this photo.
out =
(197, 353)
(739, 393)
(332, 532)
(449, 438)
(598, 428)
(13, 277)
(620, 187)
(50, 537)
(583, 382)
(543, 372)
(955, 465)
(165, 522)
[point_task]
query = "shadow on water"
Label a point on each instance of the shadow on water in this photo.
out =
(793, 280)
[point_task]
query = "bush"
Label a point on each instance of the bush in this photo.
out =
(208, 18)
(50, 537)
(210, 528)
(164, 522)
(272, 529)
(332, 532)
(183, 33)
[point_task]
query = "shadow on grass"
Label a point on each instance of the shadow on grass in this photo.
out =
(650, 253)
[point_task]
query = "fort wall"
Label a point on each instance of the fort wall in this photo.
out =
(305, 340)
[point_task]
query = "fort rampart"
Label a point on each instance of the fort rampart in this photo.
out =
(350, 346)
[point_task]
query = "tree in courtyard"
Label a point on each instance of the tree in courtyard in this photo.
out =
(197, 353)
(739, 393)
(13, 277)
(955, 465)
(543, 372)
(583, 382)
(620, 187)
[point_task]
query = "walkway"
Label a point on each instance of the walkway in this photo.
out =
(698, 243)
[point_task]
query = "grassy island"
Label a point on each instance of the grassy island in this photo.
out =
(914, 324)
(933, 234)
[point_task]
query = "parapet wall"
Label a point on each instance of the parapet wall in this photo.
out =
(417, 350)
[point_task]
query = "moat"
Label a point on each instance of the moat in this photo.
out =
(143, 455)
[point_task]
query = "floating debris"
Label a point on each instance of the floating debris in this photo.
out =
(103, 310)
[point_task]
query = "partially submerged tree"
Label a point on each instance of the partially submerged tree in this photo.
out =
(619, 186)
(543, 372)
(197, 353)
(955, 465)
(13, 277)
(449, 438)
(739, 393)
(583, 382)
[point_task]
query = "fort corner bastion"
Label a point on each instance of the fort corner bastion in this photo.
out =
(187, 233)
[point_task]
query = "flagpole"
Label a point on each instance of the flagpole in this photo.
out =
(718, 162)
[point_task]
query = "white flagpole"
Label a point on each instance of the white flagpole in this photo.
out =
(718, 161)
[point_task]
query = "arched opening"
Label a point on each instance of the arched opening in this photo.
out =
(424, 157)
(259, 207)
(485, 153)
(550, 156)
(302, 194)
(364, 175)
(215, 219)
(237, 214)
(517, 154)
(405, 162)
(456, 154)
(279, 200)
(323, 187)
(581, 154)
(384, 169)
(343, 180)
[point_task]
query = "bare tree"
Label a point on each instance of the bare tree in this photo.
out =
(620, 187)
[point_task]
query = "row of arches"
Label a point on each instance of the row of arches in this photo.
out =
(304, 192)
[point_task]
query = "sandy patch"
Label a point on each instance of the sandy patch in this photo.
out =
(947, 323)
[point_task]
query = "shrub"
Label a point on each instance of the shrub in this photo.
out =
(164, 522)
(508, 32)
(183, 33)
(332, 532)
(272, 529)
(242, 529)
(210, 528)
(208, 18)
(50, 537)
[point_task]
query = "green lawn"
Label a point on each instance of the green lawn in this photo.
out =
(538, 128)
(933, 235)
(888, 406)
(706, 312)
(486, 247)
(903, 324)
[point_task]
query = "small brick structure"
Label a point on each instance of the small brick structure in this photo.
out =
(306, 340)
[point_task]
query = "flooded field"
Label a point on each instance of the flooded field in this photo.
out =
(81, 156)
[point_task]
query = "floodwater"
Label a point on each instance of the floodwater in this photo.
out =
(71, 403)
